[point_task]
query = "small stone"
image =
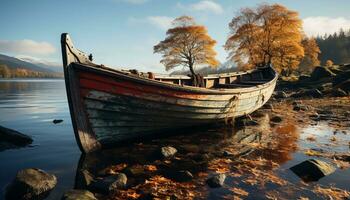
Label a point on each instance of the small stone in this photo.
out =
(184, 176)
(110, 183)
(216, 180)
(339, 93)
(201, 157)
(135, 170)
(268, 106)
(315, 116)
(227, 154)
(31, 183)
(312, 169)
(301, 108)
(168, 151)
(276, 119)
(85, 179)
(280, 95)
(57, 121)
(78, 195)
(295, 103)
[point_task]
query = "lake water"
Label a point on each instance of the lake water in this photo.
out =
(29, 106)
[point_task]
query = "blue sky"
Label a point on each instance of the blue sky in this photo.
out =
(122, 33)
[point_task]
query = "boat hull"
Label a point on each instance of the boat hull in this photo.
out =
(116, 109)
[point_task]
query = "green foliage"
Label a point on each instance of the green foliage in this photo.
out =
(335, 47)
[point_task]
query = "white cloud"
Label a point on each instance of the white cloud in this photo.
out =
(203, 6)
(30, 47)
(314, 26)
(162, 22)
(132, 1)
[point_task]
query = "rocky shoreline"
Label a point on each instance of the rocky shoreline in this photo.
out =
(243, 161)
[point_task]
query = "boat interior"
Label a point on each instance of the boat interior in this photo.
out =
(241, 79)
(225, 80)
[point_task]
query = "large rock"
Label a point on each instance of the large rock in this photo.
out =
(312, 169)
(78, 195)
(341, 77)
(216, 180)
(14, 137)
(344, 86)
(31, 184)
(321, 72)
(109, 183)
(168, 151)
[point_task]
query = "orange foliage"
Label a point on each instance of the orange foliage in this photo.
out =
(187, 44)
(311, 51)
(266, 34)
(329, 63)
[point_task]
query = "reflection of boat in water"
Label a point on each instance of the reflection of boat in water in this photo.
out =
(108, 106)
(197, 155)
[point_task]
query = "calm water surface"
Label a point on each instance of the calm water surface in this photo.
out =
(29, 106)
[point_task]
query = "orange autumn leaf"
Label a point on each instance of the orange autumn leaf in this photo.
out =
(150, 168)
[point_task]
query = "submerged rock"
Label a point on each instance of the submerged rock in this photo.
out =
(168, 151)
(109, 183)
(216, 180)
(78, 195)
(31, 184)
(312, 169)
(14, 137)
(57, 121)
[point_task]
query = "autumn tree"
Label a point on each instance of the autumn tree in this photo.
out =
(311, 51)
(4, 71)
(329, 63)
(187, 44)
(266, 34)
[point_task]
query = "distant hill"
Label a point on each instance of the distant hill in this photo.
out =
(223, 68)
(52, 66)
(25, 67)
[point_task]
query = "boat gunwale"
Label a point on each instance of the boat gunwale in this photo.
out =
(113, 74)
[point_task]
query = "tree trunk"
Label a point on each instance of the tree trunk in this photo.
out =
(191, 69)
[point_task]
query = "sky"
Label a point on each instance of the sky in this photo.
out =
(122, 33)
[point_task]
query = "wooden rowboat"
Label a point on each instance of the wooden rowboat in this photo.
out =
(108, 106)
